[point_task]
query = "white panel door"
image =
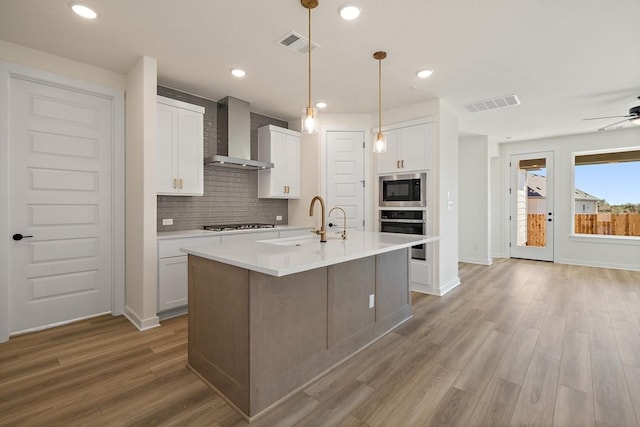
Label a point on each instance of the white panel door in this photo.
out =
(531, 213)
(59, 191)
(345, 178)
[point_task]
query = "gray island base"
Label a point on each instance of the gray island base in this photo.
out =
(256, 338)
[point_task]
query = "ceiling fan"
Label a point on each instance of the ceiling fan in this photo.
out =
(633, 117)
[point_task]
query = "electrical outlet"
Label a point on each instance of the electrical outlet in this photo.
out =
(372, 299)
(167, 221)
(278, 217)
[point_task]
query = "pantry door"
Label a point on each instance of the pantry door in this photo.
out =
(345, 178)
(61, 223)
(532, 216)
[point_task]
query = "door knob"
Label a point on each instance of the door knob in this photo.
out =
(19, 236)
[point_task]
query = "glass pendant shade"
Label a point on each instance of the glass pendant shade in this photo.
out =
(380, 144)
(310, 122)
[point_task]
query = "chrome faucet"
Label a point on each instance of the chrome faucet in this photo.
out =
(322, 232)
(344, 227)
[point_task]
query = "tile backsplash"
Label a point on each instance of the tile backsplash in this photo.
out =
(230, 195)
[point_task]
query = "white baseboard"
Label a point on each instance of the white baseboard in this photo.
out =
(142, 325)
(424, 289)
(448, 286)
(53, 325)
(598, 264)
(476, 261)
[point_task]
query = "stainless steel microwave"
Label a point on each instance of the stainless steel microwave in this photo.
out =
(408, 190)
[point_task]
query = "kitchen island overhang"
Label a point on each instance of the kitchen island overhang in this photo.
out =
(268, 317)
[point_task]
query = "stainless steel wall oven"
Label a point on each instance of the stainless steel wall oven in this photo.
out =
(405, 222)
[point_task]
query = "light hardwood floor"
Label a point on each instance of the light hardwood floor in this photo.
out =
(518, 343)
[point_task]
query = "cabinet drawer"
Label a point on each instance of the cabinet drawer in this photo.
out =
(171, 247)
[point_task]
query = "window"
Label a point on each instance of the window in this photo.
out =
(606, 196)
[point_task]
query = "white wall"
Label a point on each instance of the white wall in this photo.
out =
(495, 207)
(141, 265)
(447, 171)
(55, 64)
(474, 208)
(600, 251)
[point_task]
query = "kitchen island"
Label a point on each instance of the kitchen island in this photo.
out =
(267, 317)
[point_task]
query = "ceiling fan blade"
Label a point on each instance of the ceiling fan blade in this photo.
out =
(608, 117)
(613, 124)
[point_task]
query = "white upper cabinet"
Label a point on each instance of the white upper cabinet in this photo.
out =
(408, 149)
(282, 148)
(179, 144)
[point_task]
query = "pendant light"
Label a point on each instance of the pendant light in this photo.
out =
(310, 122)
(380, 144)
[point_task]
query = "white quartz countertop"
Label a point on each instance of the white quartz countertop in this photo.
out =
(179, 234)
(289, 255)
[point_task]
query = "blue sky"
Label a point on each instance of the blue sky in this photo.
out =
(618, 183)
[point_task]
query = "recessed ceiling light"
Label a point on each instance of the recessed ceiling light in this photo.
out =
(83, 10)
(423, 74)
(321, 104)
(349, 11)
(237, 72)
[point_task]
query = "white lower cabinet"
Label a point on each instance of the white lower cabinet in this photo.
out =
(173, 272)
(422, 272)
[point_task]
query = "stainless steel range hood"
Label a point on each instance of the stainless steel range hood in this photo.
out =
(234, 126)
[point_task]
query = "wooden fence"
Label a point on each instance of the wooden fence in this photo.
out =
(608, 224)
(604, 224)
(536, 235)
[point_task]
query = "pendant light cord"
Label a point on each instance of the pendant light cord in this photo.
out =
(379, 96)
(309, 106)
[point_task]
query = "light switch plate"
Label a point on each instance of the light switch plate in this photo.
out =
(167, 221)
(372, 299)
(278, 217)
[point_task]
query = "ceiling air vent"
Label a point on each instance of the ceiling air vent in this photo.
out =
(491, 104)
(296, 43)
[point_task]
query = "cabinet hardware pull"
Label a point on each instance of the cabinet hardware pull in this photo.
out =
(402, 163)
(397, 164)
(181, 183)
(175, 183)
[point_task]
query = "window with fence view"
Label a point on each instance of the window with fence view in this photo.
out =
(607, 193)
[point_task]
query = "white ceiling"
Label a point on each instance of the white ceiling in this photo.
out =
(565, 59)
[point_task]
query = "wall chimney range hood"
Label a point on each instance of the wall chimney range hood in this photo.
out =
(234, 127)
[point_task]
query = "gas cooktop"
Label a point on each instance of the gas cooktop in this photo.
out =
(228, 227)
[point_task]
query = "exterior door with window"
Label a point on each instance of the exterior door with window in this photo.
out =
(531, 206)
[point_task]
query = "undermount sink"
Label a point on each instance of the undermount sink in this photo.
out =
(296, 240)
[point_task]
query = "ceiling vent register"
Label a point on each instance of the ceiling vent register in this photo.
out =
(296, 43)
(492, 104)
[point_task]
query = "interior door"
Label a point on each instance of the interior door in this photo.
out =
(60, 251)
(345, 178)
(531, 214)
